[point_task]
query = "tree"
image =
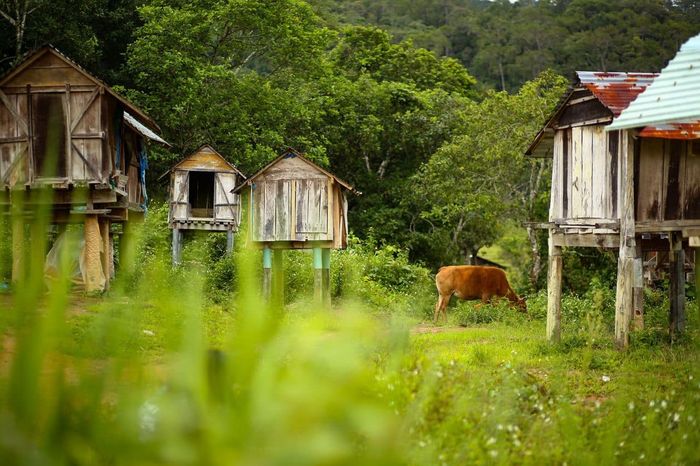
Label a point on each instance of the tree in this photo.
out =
(473, 182)
(16, 13)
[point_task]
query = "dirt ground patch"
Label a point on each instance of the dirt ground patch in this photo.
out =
(429, 328)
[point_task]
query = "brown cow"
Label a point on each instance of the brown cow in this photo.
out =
(472, 282)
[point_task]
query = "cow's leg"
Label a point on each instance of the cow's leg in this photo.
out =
(438, 308)
(441, 307)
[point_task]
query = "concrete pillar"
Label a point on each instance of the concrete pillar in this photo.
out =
(229, 241)
(18, 249)
(554, 276)
(267, 272)
(177, 246)
(326, 276)
(318, 275)
(677, 286)
(93, 272)
(278, 278)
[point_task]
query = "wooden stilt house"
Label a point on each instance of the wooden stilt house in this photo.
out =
(65, 131)
(295, 204)
(201, 196)
(625, 190)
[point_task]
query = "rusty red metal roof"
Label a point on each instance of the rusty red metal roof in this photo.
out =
(615, 90)
(690, 130)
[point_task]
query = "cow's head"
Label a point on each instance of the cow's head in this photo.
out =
(521, 305)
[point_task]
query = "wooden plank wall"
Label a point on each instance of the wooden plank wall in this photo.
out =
(179, 195)
(591, 192)
(291, 202)
(668, 185)
(86, 154)
(13, 147)
(226, 204)
(556, 198)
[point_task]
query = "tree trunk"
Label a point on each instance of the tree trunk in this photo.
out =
(536, 267)
(22, 9)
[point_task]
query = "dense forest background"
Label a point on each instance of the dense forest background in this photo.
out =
(426, 106)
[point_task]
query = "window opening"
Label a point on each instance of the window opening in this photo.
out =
(201, 194)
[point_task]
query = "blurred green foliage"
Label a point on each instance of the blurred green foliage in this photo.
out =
(178, 366)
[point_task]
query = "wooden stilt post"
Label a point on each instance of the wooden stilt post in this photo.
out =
(624, 301)
(318, 275)
(106, 256)
(326, 277)
(677, 286)
(638, 291)
(229, 241)
(554, 292)
(278, 278)
(94, 274)
(177, 246)
(18, 249)
(267, 272)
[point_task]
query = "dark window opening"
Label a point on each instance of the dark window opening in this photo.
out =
(49, 131)
(201, 194)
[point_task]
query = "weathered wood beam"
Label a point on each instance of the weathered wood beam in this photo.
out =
(554, 276)
(677, 287)
(624, 301)
(609, 241)
(68, 132)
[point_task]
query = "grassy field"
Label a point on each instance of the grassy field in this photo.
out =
(189, 366)
(128, 380)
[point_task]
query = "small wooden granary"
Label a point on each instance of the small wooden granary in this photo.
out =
(295, 204)
(628, 190)
(201, 196)
(64, 130)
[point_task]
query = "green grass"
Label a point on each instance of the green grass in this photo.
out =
(170, 368)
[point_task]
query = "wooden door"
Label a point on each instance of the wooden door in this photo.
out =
(14, 138)
(225, 202)
(179, 195)
(312, 206)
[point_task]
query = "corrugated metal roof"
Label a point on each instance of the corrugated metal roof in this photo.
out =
(674, 97)
(690, 130)
(615, 90)
(143, 130)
